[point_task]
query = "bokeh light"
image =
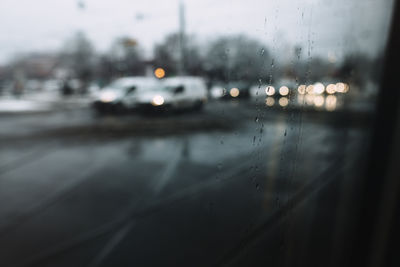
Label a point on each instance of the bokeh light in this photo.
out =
(331, 89)
(310, 100)
(270, 90)
(346, 88)
(319, 101)
(284, 90)
(269, 101)
(157, 100)
(340, 87)
(159, 73)
(234, 92)
(283, 101)
(310, 89)
(319, 88)
(330, 102)
(301, 89)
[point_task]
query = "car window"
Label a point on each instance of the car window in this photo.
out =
(193, 133)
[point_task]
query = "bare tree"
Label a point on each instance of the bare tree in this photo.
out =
(127, 57)
(166, 55)
(237, 58)
(78, 56)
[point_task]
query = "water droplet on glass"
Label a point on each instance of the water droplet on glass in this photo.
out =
(257, 186)
(285, 133)
(256, 119)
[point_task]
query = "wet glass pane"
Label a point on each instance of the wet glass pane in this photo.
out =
(185, 133)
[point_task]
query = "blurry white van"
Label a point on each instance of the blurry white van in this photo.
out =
(122, 93)
(175, 93)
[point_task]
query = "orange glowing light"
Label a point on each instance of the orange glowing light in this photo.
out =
(159, 73)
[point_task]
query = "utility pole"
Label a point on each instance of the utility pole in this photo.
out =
(181, 62)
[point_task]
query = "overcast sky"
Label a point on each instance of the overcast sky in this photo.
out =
(324, 26)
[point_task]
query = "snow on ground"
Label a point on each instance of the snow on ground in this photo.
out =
(41, 101)
(19, 105)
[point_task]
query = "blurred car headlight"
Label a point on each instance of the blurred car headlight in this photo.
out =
(342, 87)
(270, 91)
(284, 91)
(318, 89)
(234, 92)
(301, 89)
(217, 92)
(157, 100)
(331, 89)
(107, 97)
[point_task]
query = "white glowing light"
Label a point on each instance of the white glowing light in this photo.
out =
(157, 100)
(319, 88)
(284, 90)
(270, 90)
(107, 97)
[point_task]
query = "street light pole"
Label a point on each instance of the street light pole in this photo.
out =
(181, 64)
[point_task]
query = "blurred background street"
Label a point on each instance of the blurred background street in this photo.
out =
(184, 133)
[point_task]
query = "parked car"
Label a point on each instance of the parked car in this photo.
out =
(122, 93)
(174, 93)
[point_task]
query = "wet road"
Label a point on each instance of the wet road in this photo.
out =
(161, 190)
